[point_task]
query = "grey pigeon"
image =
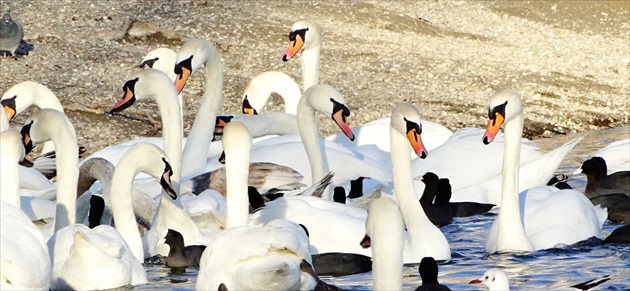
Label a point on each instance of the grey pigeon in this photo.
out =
(11, 34)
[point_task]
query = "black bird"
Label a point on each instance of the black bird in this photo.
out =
(179, 255)
(435, 199)
(599, 183)
(429, 272)
(620, 235)
(617, 205)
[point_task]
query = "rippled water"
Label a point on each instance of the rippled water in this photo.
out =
(536, 270)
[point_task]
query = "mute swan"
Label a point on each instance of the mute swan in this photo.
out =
(23, 252)
(305, 36)
(102, 257)
(336, 227)
(259, 90)
(245, 257)
(163, 59)
(545, 216)
(15, 100)
(22, 95)
(385, 237)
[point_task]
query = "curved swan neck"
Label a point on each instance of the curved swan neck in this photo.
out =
(68, 174)
(310, 67)
(511, 233)
(172, 131)
(312, 141)
(200, 137)
(122, 205)
(414, 215)
(9, 179)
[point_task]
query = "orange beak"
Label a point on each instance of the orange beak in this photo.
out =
(294, 47)
(493, 128)
(247, 107)
(10, 112)
(122, 104)
(340, 119)
(416, 143)
(181, 78)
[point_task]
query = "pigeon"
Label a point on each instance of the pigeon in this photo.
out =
(11, 35)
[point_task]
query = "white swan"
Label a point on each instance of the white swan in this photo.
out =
(24, 94)
(23, 252)
(540, 217)
(385, 236)
(617, 156)
(338, 227)
(262, 86)
(249, 258)
(163, 59)
(82, 258)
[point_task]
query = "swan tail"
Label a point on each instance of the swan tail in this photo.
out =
(365, 200)
(317, 189)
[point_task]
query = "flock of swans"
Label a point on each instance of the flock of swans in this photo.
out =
(173, 196)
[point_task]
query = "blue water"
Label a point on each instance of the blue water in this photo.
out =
(533, 271)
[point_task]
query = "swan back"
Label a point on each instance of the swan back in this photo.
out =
(384, 227)
(260, 88)
(237, 143)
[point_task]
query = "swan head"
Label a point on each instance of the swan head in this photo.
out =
(327, 100)
(143, 84)
(194, 53)
(42, 126)
(162, 59)
(259, 90)
(494, 279)
(505, 105)
(405, 119)
(22, 95)
(149, 159)
(384, 217)
(304, 34)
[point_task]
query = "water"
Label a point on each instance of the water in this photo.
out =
(534, 271)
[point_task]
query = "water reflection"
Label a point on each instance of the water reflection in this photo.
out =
(536, 270)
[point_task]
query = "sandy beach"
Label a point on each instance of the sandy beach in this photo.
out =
(569, 59)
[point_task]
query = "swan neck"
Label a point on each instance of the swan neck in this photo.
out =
(313, 144)
(9, 180)
(122, 206)
(310, 67)
(67, 163)
(237, 173)
(199, 138)
(412, 212)
(387, 245)
(511, 233)
(172, 131)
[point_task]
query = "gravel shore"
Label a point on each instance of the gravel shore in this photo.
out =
(570, 59)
